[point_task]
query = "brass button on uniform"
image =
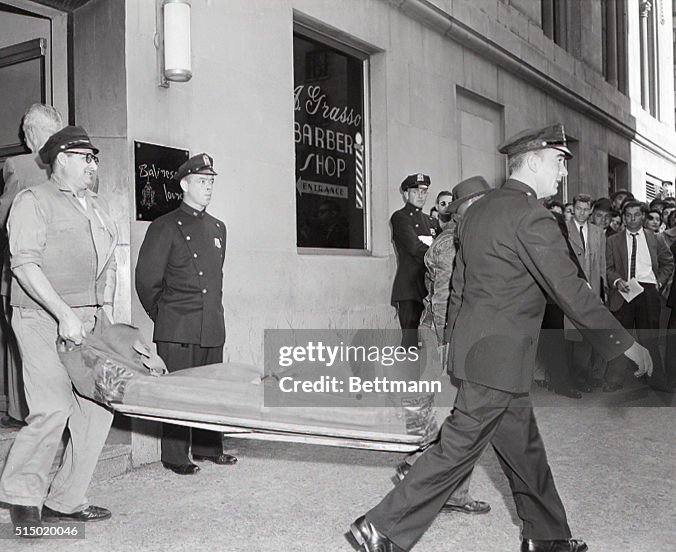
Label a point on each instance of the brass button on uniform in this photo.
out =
(194, 255)
(204, 291)
(187, 238)
(201, 273)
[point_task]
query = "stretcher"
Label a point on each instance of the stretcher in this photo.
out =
(111, 368)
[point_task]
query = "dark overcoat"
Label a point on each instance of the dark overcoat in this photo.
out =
(512, 253)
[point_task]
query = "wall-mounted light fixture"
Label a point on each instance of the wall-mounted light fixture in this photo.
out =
(172, 40)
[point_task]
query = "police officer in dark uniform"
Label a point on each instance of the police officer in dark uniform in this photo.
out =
(412, 232)
(511, 253)
(179, 280)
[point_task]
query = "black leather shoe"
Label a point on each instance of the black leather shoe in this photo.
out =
(90, 513)
(370, 539)
(25, 518)
(564, 545)
(473, 507)
(182, 469)
(612, 387)
(570, 392)
(221, 459)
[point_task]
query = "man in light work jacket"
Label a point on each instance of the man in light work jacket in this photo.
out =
(511, 250)
(62, 243)
(20, 172)
(179, 280)
(412, 232)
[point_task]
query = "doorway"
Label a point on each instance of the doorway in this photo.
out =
(33, 68)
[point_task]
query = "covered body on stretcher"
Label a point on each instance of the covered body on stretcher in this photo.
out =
(231, 398)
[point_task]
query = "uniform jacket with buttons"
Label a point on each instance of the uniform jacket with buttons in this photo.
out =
(408, 223)
(179, 277)
(511, 253)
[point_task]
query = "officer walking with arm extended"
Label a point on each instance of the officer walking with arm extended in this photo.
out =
(179, 280)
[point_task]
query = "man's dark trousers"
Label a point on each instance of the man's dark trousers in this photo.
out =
(643, 313)
(175, 438)
(481, 416)
(409, 313)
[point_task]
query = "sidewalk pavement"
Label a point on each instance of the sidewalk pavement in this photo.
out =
(614, 468)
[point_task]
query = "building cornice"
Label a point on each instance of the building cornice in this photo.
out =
(445, 23)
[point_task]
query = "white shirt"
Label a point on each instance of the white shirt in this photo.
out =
(644, 265)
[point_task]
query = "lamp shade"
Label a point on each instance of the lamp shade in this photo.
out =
(177, 66)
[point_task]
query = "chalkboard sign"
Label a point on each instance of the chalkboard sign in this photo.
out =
(156, 192)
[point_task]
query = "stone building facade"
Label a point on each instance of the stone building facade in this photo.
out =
(322, 104)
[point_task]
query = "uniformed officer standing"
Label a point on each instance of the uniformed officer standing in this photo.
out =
(179, 280)
(413, 232)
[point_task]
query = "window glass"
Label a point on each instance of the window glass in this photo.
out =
(331, 174)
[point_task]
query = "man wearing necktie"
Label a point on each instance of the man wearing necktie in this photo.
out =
(589, 245)
(639, 254)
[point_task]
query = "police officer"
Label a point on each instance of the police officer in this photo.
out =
(511, 251)
(412, 232)
(39, 123)
(179, 280)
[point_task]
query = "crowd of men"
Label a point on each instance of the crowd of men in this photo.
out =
(568, 361)
(617, 241)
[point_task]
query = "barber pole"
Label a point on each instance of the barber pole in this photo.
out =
(359, 170)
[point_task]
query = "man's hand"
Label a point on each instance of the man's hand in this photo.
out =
(641, 357)
(427, 240)
(71, 328)
(623, 286)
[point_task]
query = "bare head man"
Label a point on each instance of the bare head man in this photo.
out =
(39, 123)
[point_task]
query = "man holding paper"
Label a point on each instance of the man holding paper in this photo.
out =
(638, 263)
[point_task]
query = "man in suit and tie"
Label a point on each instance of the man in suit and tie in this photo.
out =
(511, 253)
(20, 172)
(412, 232)
(643, 256)
(589, 245)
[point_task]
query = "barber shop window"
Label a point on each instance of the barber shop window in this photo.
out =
(330, 135)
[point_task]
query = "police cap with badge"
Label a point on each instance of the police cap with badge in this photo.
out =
(68, 138)
(197, 164)
(533, 139)
(417, 180)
